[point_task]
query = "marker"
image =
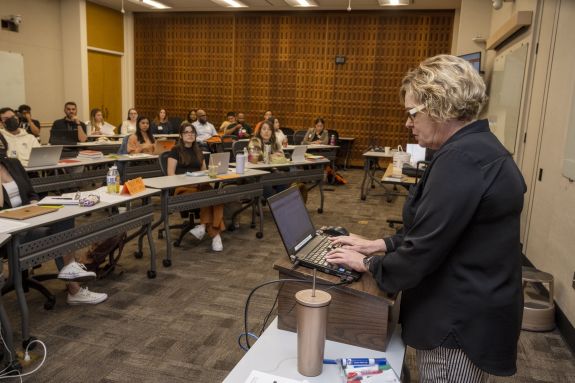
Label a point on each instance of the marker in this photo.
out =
(362, 361)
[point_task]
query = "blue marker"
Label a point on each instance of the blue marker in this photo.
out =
(363, 361)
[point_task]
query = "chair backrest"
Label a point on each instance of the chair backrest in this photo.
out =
(299, 136)
(124, 146)
(287, 131)
(163, 161)
(332, 132)
(239, 146)
(228, 141)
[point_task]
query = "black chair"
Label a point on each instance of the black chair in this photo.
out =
(228, 143)
(299, 136)
(239, 146)
(187, 225)
(175, 123)
(287, 131)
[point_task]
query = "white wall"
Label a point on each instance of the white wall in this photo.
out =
(474, 21)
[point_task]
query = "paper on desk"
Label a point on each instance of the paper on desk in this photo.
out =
(262, 377)
(10, 224)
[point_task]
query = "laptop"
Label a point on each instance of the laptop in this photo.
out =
(298, 153)
(45, 156)
(222, 160)
(299, 236)
(161, 146)
(25, 212)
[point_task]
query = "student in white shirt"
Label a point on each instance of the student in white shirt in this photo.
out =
(129, 126)
(19, 141)
(97, 126)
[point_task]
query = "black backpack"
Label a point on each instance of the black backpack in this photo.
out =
(105, 251)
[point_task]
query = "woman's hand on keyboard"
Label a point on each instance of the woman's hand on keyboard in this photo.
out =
(350, 259)
(359, 244)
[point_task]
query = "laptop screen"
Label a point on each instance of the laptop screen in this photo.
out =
(292, 219)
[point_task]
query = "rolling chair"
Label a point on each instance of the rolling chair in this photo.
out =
(186, 226)
(228, 143)
(299, 136)
(239, 145)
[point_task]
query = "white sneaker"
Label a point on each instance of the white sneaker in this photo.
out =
(86, 297)
(76, 272)
(217, 243)
(199, 231)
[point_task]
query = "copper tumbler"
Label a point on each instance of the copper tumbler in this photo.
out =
(311, 330)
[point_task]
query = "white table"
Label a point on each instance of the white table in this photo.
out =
(275, 352)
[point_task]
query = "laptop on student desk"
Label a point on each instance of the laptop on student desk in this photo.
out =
(222, 160)
(299, 236)
(298, 153)
(45, 156)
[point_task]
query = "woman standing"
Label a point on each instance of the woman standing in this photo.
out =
(316, 135)
(161, 124)
(97, 126)
(187, 156)
(142, 141)
(129, 126)
(458, 259)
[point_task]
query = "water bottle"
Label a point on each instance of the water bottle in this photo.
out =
(332, 140)
(246, 157)
(113, 180)
(240, 163)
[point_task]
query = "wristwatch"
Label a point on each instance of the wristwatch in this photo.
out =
(367, 262)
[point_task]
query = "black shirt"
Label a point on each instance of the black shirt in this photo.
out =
(166, 128)
(26, 125)
(65, 132)
(193, 166)
(458, 261)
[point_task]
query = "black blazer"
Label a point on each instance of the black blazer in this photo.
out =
(458, 261)
(17, 172)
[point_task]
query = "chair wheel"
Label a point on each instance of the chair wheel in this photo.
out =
(29, 341)
(252, 225)
(176, 243)
(231, 227)
(320, 210)
(49, 304)
(151, 274)
(259, 234)
(167, 262)
(138, 254)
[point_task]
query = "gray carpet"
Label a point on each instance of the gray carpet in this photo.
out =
(183, 326)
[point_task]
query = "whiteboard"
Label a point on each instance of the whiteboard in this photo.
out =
(505, 95)
(12, 89)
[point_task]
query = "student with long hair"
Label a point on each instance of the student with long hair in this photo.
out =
(161, 124)
(186, 156)
(129, 125)
(142, 141)
(97, 125)
(318, 134)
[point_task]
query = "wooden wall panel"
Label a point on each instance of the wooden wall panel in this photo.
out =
(252, 62)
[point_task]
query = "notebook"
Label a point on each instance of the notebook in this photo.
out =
(222, 160)
(45, 156)
(298, 153)
(299, 236)
(26, 212)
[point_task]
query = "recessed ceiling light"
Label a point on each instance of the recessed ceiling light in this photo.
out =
(155, 4)
(386, 3)
(301, 3)
(230, 3)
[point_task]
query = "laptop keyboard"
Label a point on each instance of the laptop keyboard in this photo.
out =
(317, 257)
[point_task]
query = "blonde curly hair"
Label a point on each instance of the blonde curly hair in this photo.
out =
(448, 86)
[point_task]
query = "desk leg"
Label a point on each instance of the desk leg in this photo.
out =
(366, 168)
(18, 286)
(167, 262)
(152, 271)
(320, 184)
(260, 233)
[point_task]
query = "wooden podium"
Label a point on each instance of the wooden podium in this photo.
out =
(360, 313)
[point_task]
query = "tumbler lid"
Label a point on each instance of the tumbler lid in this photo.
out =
(304, 297)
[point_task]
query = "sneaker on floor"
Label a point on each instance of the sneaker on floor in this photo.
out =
(198, 231)
(86, 297)
(76, 272)
(217, 243)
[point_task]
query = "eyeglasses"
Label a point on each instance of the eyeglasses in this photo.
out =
(411, 113)
(188, 132)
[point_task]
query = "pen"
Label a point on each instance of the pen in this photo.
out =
(62, 198)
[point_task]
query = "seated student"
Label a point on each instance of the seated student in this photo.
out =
(192, 117)
(69, 129)
(205, 129)
(129, 125)
(187, 156)
(97, 126)
(161, 124)
(20, 142)
(317, 134)
(240, 128)
(280, 136)
(265, 140)
(28, 124)
(142, 141)
(230, 120)
(17, 191)
(267, 115)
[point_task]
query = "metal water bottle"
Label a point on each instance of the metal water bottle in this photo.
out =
(240, 163)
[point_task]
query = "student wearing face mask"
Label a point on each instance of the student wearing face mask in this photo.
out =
(19, 141)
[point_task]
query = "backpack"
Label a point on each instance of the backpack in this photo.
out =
(334, 178)
(103, 251)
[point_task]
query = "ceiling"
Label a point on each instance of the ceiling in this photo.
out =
(274, 5)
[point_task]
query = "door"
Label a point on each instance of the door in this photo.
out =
(105, 85)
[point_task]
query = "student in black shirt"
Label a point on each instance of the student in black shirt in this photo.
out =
(186, 156)
(28, 123)
(68, 130)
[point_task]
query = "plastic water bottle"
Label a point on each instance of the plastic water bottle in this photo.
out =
(332, 139)
(113, 180)
(240, 163)
(246, 157)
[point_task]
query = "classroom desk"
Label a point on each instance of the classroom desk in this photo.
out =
(219, 195)
(328, 151)
(371, 167)
(22, 256)
(315, 173)
(7, 334)
(275, 352)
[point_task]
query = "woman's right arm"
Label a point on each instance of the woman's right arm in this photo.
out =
(305, 140)
(360, 244)
(133, 145)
